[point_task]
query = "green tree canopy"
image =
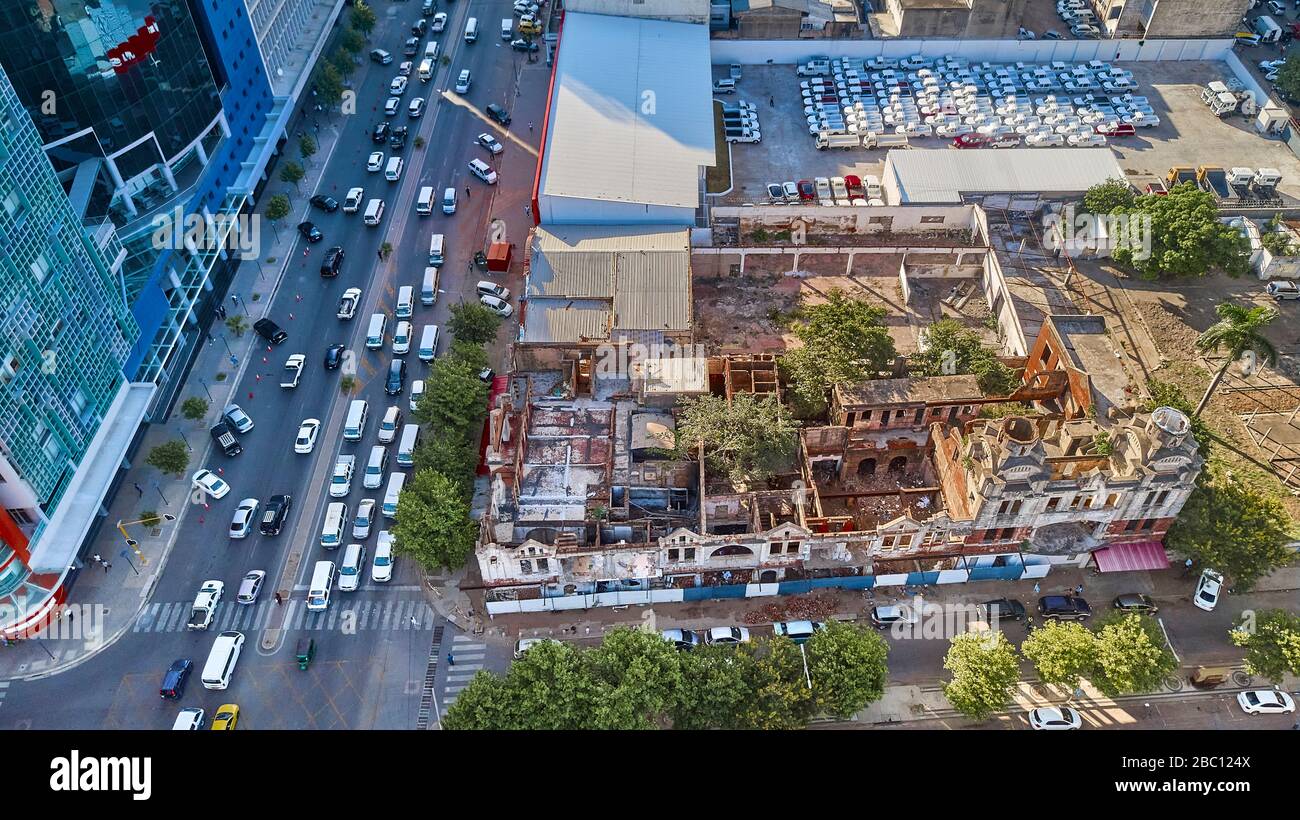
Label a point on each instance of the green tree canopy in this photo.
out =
(292, 173)
(638, 676)
(984, 668)
(1288, 77)
(343, 62)
(474, 323)
(351, 42)
(455, 400)
(1132, 655)
(307, 146)
(952, 349)
(1186, 237)
(1111, 196)
(471, 355)
(454, 456)
(1272, 644)
(1062, 653)
(363, 18)
(1239, 329)
(171, 457)
(848, 668)
(844, 341)
(329, 85)
(747, 439)
(715, 688)
(779, 693)
(550, 687)
(277, 207)
(432, 524)
(1234, 527)
(194, 408)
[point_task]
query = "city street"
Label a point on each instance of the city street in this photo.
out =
(371, 665)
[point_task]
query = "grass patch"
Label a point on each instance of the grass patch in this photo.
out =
(718, 178)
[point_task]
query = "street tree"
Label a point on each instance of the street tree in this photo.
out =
(455, 400)
(847, 666)
(748, 439)
(550, 687)
(984, 668)
(363, 18)
(1233, 526)
(951, 349)
(1132, 655)
(454, 456)
(277, 208)
(715, 688)
(471, 355)
(236, 324)
(1238, 331)
(194, 408)
(1288, 77)
(306, 146)
(343, 62)
(418, 142)
(1111, 196)
(329, 86)
(844, 340)
(1186, 236)
(348, 384)
(639, 677)
(472, 322)
(1272, 644)
(171, 457)
(1062, 653)
(779, 693)
(351, 40)
(432, 523)
(292, 173)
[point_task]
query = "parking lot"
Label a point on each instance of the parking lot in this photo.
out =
(1188, 134)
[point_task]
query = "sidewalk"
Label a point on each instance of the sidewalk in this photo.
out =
(111, 600)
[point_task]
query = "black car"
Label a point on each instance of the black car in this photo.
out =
(173, 682)
(1004, 609)
(380, 133)
(380, 56)
(225, 439)
(334, 357)
(277, 509)
(310, 232)
(397, 139)
(1064, 608)
(328, 204)
(396, 377)
(420, 27)
(270, 331)
(498, 113)
(332, 262)
(1136, 602)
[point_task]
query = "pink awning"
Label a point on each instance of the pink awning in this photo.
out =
(1130, 557)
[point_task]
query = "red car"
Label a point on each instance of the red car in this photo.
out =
(854, 185)
(970, 141)
(1116, 129)
(807, 192)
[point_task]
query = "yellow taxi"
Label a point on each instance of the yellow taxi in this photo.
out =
(227, 716)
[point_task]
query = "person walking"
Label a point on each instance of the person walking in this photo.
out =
(279, 599)
(530, 126)
(467, 192)
(380, 254)
(106, 566)
(450, 660)
(97, 558)
(1078, 589)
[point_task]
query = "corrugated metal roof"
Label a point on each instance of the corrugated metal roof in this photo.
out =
(632, 116)
(653, 290)
(943, 175)
(565, 320)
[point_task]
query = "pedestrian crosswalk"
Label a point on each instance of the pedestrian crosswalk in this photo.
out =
(466, 660)
(397, 615)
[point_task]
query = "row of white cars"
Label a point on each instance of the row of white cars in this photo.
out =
(1044, 104)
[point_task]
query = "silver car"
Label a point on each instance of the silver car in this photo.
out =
(249, 586)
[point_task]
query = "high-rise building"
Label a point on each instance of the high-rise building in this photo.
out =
(68, 412)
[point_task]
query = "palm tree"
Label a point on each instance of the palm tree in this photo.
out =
(1238, 330)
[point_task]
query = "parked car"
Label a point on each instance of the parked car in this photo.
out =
(1004, 609)
(237, 417)
(348, 303)
(798, 631)
(1054, 717)
(490, 143)
(523, 44)
(1265, 702)
(1283, 289)
(1136, 602)
(883, 617)
(1064, 608)
(497, 306)
(328, 204)
(727, 635)
(497, 113)
(241, 524)
(310, 232)
(683, 639)
(1208, 587)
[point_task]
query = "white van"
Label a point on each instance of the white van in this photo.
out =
(428, 343)
(406, 447)
(222, 659)
(374, 212)
(471, 29)
(355, 426)
(322, 580)
(507, 27)
(405, 302)
(375, 466)
(375, 333)
(426, 66)
(393, 171)
(431, 51)
(331, 532)
(449, 201)
(429, 287)
(436, 243)
(424, 202)
(354, 562)
(394, 492)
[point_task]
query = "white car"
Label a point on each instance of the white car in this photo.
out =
(497, 306)
(462, 81)
(348, 303)
(341, 479)
(417, 390)
(375, 162)
(483, 171)
(391, 106)
(1054, 717)
(237, 417)
(210, 483)
(249, 586)
(439, 22)
(364, 519)
(727, 635)
(490, 143)
(352, 202)
(416, 108)
(242, 522)
(404, 68)
(1207, 590)
(1044, 139)
(823, 187)
(397, 86)
(402, 338)
(1265, 702)
(381, 568)
(306, 440)
(838, 188)
(188, 719)
(1085, 140)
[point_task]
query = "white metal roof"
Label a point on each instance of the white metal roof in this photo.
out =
(943, 174)
(631, 117)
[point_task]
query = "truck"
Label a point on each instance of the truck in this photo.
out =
(874, 140)
(348, 303)
(225, 439)
(293, 370)
(826, 140)
(1267, 28)
(204, 608)
(814, 66)
(1179, 174)
(1214, 179)
(1221, 101)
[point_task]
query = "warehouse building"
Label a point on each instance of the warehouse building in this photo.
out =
(1014, 179)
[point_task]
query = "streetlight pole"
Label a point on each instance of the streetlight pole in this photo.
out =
(186, 440)
(158, 487)
(206, 390)
(227, 344)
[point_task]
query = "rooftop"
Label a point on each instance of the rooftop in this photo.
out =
(928, 389)
(1090, 350)
(943, 175)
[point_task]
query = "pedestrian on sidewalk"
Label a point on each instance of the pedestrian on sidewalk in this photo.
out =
(1037, 588)
(380, 254)
(528, 210)
(1078, 590)
(279, 599)
(467, 192)
(138, 488)
(97, 559)
(530, 126)
(450, 660)
(105, 565)
(771, 101)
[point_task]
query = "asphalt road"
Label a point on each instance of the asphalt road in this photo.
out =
(373, 644)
